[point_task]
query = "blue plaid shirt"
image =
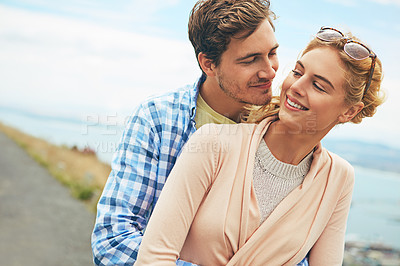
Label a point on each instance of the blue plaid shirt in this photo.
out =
(150, 144)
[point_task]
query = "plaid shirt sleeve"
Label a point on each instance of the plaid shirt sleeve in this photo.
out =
(127, 197)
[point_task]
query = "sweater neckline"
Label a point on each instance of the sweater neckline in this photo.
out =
(271, 164)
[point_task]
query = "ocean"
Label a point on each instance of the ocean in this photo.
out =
(375, 211)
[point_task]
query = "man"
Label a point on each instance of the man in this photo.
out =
(236, 48)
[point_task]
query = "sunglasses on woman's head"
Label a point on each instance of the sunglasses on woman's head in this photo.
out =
(354, 49)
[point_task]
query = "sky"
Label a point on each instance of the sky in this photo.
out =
(84, 57)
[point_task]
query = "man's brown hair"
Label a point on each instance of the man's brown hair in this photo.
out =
(213, 23)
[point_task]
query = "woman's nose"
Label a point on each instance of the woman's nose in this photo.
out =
(298, 87)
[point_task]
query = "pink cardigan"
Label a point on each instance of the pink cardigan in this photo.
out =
(207, 212)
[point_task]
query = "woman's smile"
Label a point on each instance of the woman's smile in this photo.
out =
(295, 104)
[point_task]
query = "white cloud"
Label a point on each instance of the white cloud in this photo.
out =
(120, 10)
(55, 63)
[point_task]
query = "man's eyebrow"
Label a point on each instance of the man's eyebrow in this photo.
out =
(248, 56)
(256, 54)
(275, 47)
(318, 76)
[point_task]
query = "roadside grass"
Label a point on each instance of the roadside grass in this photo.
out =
(83, 174)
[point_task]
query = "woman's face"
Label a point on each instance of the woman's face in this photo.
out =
(312, 96)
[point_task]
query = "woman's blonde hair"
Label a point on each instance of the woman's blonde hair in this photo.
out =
(356, 77)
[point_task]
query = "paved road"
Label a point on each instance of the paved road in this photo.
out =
(40, 223)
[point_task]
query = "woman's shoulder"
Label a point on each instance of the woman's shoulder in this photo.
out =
(340, 165)
(227, 131)
(235, 130)
(226, 137)
(339, 160)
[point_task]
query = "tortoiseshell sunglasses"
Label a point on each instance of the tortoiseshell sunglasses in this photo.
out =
(354, 49)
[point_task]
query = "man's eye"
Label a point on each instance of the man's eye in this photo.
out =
(249, 61)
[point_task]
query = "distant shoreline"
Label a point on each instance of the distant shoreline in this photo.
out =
(383, 171)
(367, 155)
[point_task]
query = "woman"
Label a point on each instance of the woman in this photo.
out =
(268, 193)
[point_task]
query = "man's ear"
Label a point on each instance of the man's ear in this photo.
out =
(351, 112)
(206, 64)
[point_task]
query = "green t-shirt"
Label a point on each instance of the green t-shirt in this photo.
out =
(206, 115)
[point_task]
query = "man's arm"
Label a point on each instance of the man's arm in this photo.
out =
(128, 195)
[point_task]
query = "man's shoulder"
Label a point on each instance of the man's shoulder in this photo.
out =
(181, 96)
(164, 108)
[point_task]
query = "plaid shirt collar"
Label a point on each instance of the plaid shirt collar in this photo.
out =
(194, 94)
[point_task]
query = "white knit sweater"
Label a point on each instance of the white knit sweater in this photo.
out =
(273, 180)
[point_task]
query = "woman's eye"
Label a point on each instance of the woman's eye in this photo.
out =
(296, 73)
(318, 87)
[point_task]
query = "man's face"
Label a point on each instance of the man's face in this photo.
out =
(248, 67)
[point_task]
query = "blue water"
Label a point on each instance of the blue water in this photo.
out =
(375, 211)
(85, 131)
(374, 215)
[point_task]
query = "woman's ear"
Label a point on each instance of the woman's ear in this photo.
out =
(206, 64)
(351, 112)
